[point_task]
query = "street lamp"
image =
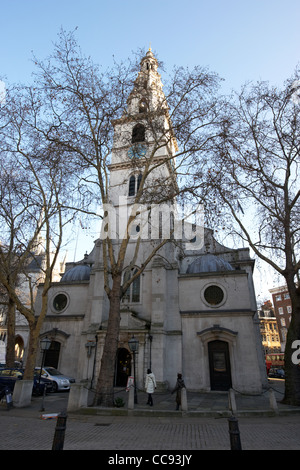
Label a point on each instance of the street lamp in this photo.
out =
(150, 362)
(133, 344)
(45, 344)
(89, 347)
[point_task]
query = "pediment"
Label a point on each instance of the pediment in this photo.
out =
(130, 321)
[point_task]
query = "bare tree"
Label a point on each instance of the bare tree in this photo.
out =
(89, 106)
(253, 176)
(32, 189)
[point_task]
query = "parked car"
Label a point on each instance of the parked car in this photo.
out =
(277, 373)
(8, 378)
(39, 381)
(59, 380)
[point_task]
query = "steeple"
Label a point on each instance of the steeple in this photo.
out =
(143, 132)
(147, 94)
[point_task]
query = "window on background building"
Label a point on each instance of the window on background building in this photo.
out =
(280, 310)
(283, 335)
(278, 297)
(286, 296)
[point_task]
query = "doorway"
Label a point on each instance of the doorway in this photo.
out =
(219, 365)
(52, 355)
(123, 367)
(19, 349)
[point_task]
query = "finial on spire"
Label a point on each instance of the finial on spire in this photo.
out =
(150, 47)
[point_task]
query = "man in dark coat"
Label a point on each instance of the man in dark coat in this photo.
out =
(178, 387)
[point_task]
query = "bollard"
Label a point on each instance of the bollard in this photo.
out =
(43, 399)
(184, 405)
(131, 398)
(59, 435)
(235, 442)
(8, 398)
(273, 402)
(231, 400)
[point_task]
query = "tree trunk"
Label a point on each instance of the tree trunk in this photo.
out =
(105, 385)
(35, 325)
(11, 323)
(292, 370)
(32, 352)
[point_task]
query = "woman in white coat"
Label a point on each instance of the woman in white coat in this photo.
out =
(150, 386)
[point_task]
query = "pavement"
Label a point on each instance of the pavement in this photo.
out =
(152, 432)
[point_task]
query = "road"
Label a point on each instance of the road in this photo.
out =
(24, 429)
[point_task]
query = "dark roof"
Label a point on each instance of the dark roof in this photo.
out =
(80, 272)
(208, 263)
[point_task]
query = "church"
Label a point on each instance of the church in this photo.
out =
(192, 310)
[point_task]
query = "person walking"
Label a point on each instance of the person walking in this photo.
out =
(178, 387)
(150, 386)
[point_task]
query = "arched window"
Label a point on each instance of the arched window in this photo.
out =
(138, 133)
(139, 179)
(134, 184)
(19, 348)
(143, 106)
(132, 295)
(135, 289)
(131, 190)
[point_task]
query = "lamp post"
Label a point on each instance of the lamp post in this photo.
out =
(150, 362)
(45, 344)
(133, 344)
(89, 347)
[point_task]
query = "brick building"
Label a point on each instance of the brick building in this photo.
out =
(269, 329)
(283, 311)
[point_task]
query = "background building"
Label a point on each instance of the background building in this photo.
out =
(283, 311)
(269, 328)
(34, 271)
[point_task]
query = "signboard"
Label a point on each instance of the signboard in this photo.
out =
(130, 383)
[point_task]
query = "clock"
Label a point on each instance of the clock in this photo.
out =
(137, 151)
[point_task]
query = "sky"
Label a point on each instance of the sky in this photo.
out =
(240, 40)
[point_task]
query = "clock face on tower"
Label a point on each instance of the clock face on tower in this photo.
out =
(137, 151)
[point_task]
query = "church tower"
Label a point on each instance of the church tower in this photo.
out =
(144, 144)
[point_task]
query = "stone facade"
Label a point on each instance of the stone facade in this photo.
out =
(193, 310)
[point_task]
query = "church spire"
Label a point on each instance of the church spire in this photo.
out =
(143, 134)
(147, 94)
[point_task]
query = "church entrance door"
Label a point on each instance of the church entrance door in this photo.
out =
(52, 355)
(219, 365)
(123, 367)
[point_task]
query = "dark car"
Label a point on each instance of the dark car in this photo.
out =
(277, 373)
(8, 378)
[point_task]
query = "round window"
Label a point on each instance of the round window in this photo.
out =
(214, 295)
(60, 302)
